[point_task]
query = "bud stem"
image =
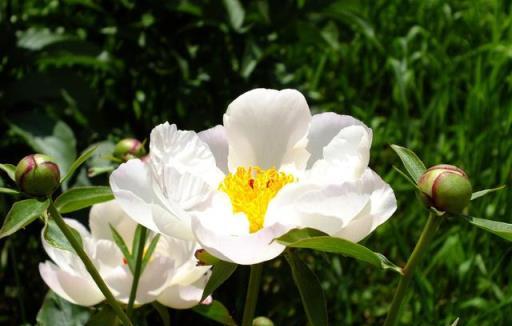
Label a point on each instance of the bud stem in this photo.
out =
(253, 288)
(88, 264)
(426, 236)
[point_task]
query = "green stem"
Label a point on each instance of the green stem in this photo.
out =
(139, 251)
(400, 292)
(88, 264)
(253, 288)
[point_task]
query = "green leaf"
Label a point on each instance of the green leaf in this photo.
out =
(501, 229)
(37, 39)
(82, 197)
(408, 178)
(54, 236)
(9, 191)
(56, 311)
(236, 13)
(136, 238)
(79, 161)
(411, 161)
(215, 311)
(220, 273)
(118, 239)
(310, 291)
(305, 238)
(10, 170)
(149, 251)
(300, 234)
(484, 192)
(22, 213)
(105, 316)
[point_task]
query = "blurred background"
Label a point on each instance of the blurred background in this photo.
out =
(432, 75)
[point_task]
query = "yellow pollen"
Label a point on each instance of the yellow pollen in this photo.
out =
(250, 191)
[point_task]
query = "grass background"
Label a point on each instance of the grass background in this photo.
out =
(431, 75)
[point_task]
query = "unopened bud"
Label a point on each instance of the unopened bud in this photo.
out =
(204, 258)
(262, 321)
(37, 175)
(129, 148)
(446, 188)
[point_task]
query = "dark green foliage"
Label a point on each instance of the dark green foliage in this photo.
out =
(433, 76)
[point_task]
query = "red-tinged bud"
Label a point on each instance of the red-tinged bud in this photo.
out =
(37, 175)
(129, 148)
(446, 188)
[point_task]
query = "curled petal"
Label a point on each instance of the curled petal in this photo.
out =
(381, 207)
(324, 127)
(345, 158)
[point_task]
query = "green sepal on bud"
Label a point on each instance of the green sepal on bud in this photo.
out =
(37, 175)
(128, 149)
(446, 188)
(204, 258)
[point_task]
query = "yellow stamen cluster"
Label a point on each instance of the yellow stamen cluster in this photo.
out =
(251, 189)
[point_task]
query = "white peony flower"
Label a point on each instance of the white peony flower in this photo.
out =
(270, 168)
(170, 277)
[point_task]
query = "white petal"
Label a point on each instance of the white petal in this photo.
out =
(74, 288)
(183, 296)
(220, 217)
(324, 127)
(182, 253)
(382, 206)
(326, 208)
(183, 190)
(167, 223)
(265, 127)
(107, 255)
(107, 214)
(78, 227)
(65, 259)
(345, 158)
(245, 249)
(132, 186)
(159, 195)
(217, 140)
(183, 150)
(151, 282)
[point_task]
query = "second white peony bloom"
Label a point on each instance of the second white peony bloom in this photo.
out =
(271, 167)
(171, 276)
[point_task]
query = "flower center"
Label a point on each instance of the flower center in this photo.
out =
(251, 189)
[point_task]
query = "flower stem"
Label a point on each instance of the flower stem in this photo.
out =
(139, 252)
(88, 264)
(253, 288)
(400, 292)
